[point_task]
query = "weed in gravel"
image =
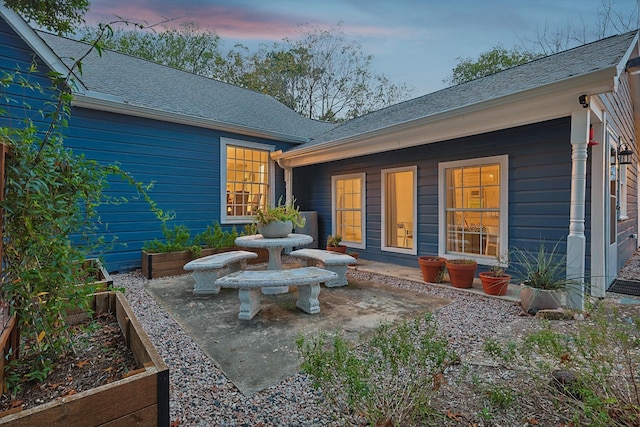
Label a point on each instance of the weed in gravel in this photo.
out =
(389, 379)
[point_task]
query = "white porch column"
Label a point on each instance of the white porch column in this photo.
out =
(576, 240)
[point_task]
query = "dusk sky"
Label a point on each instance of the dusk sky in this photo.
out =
(417, 42)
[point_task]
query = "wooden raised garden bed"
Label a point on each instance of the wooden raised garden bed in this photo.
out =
(140, 399)
(156, 265)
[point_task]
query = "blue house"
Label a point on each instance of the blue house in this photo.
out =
(471, 171)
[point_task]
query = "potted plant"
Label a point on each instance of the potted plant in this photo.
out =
(432, 268)
(461, 272)
(495, 281)
(333, 244)
(542, 274)
(278, 221)
(354, 254)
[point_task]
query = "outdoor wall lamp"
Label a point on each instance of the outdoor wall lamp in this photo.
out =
(625, 155)
(613, 156)
(584, 101)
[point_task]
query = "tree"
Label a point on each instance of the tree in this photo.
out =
(60, 16)
(489, 62)
(186, 47)
(321, 75)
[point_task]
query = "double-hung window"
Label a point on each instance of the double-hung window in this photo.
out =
(473, 207)
(246, 174)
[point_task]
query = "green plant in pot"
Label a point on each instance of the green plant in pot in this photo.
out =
(278, 221)
(333, 244)
(496, 281)
(543, 276)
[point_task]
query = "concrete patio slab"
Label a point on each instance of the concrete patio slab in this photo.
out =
(257, 353)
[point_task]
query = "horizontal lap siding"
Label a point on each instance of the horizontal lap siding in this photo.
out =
(539, 185)
(183, 162)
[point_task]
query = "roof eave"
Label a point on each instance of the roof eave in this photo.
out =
(101, 102)
(376, 141)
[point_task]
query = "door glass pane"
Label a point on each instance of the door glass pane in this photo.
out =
(399, 209)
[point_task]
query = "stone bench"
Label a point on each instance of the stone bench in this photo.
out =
(206, 270)
(251, 282)
(332, 261)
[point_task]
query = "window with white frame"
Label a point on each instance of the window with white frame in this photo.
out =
(348, 209)
(246, 172)
(399, 188)
(473, 207)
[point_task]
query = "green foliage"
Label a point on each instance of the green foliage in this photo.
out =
(599, 360)
(390, 379)
(280, 212)
(489, 62)
(543, 269)
(61, 16)
(334, 241)
(52, 196)
(187, 47)
(179, 239)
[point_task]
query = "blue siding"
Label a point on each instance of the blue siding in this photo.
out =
(183, 162)
(539, 185)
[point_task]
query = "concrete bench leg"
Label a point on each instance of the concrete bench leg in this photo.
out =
(308, 299)
(249, 303)
(204, 282)
(341, 271)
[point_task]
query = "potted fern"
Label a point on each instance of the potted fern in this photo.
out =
(278, 221)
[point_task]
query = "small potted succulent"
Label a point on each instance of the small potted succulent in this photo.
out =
(496, 281)
(278, 221)
(333, 244)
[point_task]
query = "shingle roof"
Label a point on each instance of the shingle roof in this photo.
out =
(146, 84)
(578, 61)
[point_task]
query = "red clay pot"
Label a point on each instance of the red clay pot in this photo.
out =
(493, 285)
(431, 268)
(461, 273)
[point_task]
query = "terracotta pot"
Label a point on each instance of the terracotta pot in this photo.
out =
(461, 274)
(275, 229)
(534, 299)
(432, 268)
(342, 249)
(493, 285)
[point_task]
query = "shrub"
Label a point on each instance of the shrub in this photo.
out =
(389, 379)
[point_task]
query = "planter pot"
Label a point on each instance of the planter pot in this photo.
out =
(342, 249)
(140, 399)
(493, 285)
(432, 268)
(533, 299)
(275, 229)
(461, 274)
(156, 265)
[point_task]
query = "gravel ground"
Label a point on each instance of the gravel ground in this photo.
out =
(201, 395)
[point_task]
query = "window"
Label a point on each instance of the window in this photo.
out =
(246, 173)
(399, 210)
(473, 207)
(348, 209)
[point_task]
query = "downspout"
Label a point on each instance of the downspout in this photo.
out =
(576, 246)
(288, 182)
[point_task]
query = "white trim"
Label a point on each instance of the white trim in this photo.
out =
(503, 244)
(599, 200)
(414, 215)
(530, 106)
(363, 212)
(223, 176)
